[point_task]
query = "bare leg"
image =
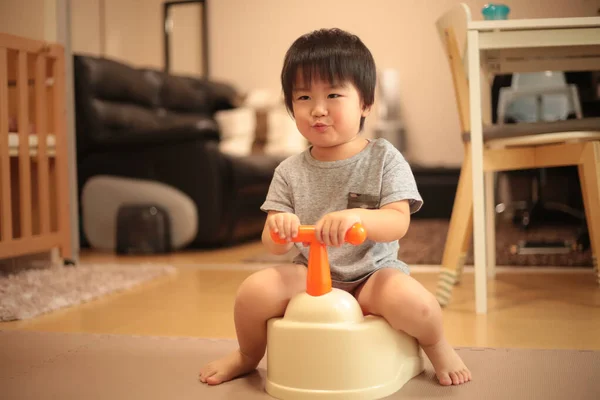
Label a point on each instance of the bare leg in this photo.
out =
(409, 307)
(262, 296)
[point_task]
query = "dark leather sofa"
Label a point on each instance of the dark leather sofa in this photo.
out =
(142, 123)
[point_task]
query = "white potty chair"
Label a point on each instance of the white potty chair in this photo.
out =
(325, 348)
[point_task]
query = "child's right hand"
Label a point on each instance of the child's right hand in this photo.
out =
(284, 224)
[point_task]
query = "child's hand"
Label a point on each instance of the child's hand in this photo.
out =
(284, 224)
(332, 228)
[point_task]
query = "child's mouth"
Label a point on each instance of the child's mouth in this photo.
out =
(320, 127)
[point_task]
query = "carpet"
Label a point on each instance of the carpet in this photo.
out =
(65, 366)
(30, 292)
(425, 240)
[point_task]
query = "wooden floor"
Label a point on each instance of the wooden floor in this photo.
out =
(529, 309)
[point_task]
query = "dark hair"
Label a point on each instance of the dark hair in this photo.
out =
(333, 55)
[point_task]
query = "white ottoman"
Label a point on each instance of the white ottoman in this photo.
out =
(102, 196)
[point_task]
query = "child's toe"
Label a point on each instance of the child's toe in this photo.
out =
(206, 373)
(454, 377)
(215, 379)
(466, 374)
(444, 379)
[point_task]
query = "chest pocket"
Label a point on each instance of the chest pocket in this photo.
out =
(358, 200)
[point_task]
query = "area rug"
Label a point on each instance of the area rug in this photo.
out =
(425, 240)
(31, 292)
(44, 366)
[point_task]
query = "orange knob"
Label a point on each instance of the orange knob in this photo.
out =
(356, 234)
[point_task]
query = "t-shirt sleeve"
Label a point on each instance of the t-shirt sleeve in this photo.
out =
(399, 182)
(279, 196)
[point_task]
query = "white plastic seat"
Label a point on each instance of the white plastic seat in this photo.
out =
(538, 96)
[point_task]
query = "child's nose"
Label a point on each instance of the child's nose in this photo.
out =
(319, 110)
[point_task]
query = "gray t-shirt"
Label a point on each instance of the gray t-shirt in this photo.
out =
(310, 188)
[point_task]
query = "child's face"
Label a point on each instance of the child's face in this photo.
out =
(327, 115)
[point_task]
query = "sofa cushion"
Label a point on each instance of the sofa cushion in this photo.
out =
(182, 94)
(115, 81)
(187, 94)
(173, 120)
(117, 115)
(224, 95)
(123, 123)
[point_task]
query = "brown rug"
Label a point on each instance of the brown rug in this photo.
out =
(425, 240)
(30, 292)
(83, 366)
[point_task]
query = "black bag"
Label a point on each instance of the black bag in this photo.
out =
(143, 229)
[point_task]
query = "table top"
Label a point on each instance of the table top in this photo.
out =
(533, 24)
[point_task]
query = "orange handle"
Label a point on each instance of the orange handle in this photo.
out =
(306, 234)
(318, 276)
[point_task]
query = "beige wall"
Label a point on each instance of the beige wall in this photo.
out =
(249, 38)
(131, 31)
(186, 40)
(128, 30)
(86, 33)
(22, 18)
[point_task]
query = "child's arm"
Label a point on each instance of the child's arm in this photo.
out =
(387, 224)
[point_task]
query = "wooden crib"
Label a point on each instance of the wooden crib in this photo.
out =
(34, 191)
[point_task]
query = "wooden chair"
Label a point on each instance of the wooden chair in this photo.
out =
(509, 147)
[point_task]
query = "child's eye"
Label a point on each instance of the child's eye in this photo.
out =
(334, 95)
(303, 98)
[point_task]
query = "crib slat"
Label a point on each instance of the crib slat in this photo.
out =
(61, 155)
(6, 233)
(42, 153)
(24, 161)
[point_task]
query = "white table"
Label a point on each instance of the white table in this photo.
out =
(507, 46)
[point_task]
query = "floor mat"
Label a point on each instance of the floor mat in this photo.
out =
(425, 240)
(31, 292)
(43, 366)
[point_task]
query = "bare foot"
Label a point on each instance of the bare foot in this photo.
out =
(449, 367)
(227, 368)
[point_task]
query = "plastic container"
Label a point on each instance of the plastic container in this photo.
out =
(493, 11)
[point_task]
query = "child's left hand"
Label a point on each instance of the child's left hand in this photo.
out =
(332, 228)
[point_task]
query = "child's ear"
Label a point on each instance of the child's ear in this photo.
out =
(366, 111)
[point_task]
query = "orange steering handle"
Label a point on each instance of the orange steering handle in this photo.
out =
(306, 234)
(318, 276)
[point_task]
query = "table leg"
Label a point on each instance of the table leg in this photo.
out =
(479, 234)
(490, 223)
